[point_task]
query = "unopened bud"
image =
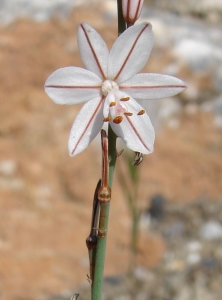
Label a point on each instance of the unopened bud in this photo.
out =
(131, 10)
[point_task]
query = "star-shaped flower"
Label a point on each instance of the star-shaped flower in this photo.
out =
(110, 86)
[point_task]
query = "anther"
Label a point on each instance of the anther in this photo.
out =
(138, 159)
(75, 296)
(107, 119)
(124, 99)
(128, 114)
(118, 119)
(112, 104)
(141, 112)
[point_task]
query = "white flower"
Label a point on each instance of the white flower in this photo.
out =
(109, 87)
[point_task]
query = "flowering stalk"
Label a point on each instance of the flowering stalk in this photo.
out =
(103, 196)
(121, 21)
(91, 241)
(101, 243)
(109, 88)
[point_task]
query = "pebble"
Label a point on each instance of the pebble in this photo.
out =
(193, 252)
(11, 184)
(218, 121)
(175, 230)
(8, 167)
(209, 263)
(156, 209)
(218, 105)
(193, 258)
(143, 274)
(196, 54)
(194, 246)
(211, 230)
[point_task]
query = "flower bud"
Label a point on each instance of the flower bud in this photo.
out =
(131, 10)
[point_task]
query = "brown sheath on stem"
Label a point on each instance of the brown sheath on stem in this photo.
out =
(104, 192)
(91, 241)
(101, 199)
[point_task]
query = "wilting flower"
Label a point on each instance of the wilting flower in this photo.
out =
(109, 87)
(131, 10)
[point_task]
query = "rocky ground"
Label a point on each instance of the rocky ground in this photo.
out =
(45, 202)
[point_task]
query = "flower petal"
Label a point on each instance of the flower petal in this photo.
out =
(152, 86)
(86, 126)
(136, 131)
(130, 52)
(93, 50)
(72, 85)
(131, 10)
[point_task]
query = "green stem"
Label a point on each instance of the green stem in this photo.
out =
(134, 240)
(100, 260)
(102, 238)
(101, 244)
(121, 21)
(112, 154)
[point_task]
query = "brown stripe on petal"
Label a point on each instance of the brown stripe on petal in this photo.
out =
(88, 124)
(136, 15)
(73, 86)
(124, 99)
(128, 114)
(118, 120)
(112, 104)
(137, 11)
(137, 133)
(93, 52)
(128, 11)
(130, 52)
(152, 86)
(141, 112)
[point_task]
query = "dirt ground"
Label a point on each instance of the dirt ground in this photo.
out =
(46, 196)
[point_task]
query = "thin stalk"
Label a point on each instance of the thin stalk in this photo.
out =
(104, 208)
(109, 159)
(121, 21)
(112, 154)
(91, 241)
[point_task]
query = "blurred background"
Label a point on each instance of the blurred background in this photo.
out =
(46, 196)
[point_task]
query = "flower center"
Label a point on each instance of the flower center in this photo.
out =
(108, 86)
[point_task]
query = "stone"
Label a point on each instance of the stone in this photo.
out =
(194, 246)
(218, 105)
(211, 230)
(156, 209)
(8, 167)
(193, 258)
(196, 54)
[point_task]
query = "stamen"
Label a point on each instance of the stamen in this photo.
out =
(112, 104)
(128, 114)
(124, 99)
(118, 119)
(138, 159)
(107, 119)
(141, 112)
